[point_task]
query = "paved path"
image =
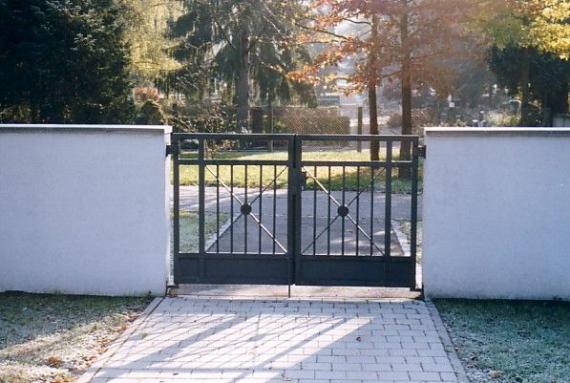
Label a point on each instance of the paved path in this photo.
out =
(401, 203)
(319, 219)
(230, 340)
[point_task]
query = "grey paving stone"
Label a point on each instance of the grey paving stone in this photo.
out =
(230, 340)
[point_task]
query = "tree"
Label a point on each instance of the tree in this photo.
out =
(548, 80)
(423, 34)
(361, 46)
(407, 40)
(520, 32)
(63, 61)
(229, 45)
(147, 35)
(545, 23)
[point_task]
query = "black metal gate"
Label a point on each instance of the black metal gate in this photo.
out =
(293, 209)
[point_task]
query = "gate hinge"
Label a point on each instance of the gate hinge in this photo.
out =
(169, 150)
(422, 151)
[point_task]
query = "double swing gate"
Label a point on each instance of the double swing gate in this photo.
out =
(295, 209)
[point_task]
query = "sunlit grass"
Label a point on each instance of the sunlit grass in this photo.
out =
(348, 178)
(189, 229)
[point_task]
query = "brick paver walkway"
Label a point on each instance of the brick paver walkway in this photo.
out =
(228, 340)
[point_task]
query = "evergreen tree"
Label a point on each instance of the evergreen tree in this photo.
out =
(548, 80)
(63, 61)
(230, 45)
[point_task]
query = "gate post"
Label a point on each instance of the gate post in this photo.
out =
(174, 152)
(294, 206)
(414, 216)
(201, 207)
(388, 211)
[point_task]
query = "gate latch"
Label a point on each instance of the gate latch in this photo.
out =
(422, 151)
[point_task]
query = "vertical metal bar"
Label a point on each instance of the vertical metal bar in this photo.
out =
(343, 205)
(298, 197)
(245, 216)
(231, 209)
(315, 212)
(201, 207)
(414, 217)
(274, 206)
(217, 208)
(260, 207)
(293, 208)
(388, 209)
(357, 209)
(176, 202)
(372, 173)
(329, 215)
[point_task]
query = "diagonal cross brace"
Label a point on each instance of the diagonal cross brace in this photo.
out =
(252, 215)
(351, 219)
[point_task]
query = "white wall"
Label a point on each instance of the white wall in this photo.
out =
(83, 209)
(496, 213)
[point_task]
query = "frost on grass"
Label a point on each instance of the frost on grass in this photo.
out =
(48, 338)
(510, 342)
(406, 228)
(189, 235)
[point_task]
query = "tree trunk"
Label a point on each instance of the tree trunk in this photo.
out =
(242, 87)
(406, 80)
(559, 102)
(271, 121)
(372, 86)
(555, 102)
(525, 80)
(372, 105)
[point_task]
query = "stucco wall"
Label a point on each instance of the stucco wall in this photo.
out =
(83, 209)
(497, 213)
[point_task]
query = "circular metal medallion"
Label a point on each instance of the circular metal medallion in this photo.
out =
(245, 209)
(343, 211)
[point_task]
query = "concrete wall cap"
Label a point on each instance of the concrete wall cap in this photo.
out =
(162, 129)
(496, 131)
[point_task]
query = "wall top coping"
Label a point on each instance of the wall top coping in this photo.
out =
(451, 131)
(161, 129)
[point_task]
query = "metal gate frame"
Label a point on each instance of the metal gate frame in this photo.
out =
(293, 266)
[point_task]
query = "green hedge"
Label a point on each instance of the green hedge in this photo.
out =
(302, 120)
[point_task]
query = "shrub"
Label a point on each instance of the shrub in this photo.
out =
(420, 119)
(151, 113)
(144, 94)
(395, 121)
(301, 120)
(202, 117)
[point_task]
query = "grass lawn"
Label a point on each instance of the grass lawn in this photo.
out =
(189, 229)
(510, 342)
(406, 228)
(51, 338)
(189, 173)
